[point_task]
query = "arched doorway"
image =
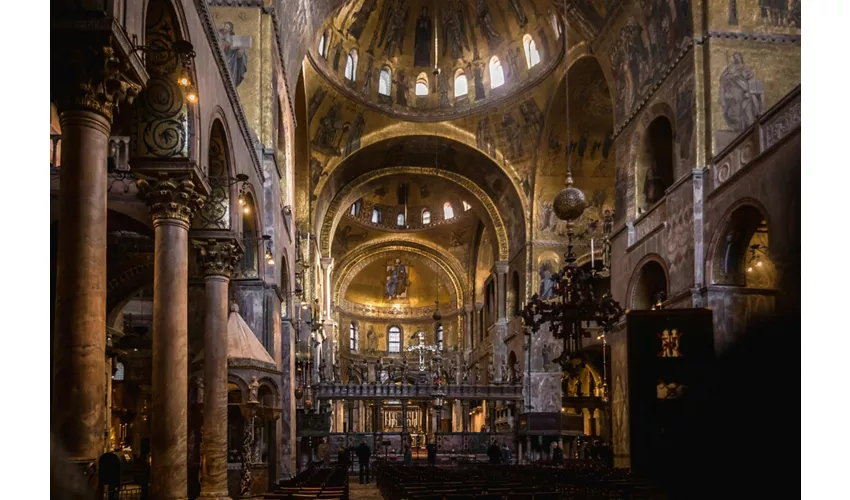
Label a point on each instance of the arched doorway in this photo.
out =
(649, 288)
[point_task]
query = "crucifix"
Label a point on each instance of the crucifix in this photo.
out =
(421, 348)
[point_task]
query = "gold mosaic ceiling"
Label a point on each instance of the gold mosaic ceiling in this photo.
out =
(413, 37)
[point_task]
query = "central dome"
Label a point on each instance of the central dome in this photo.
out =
(430, 59)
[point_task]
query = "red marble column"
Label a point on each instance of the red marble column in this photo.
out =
(79, 384)
(217, 259)
(172, 204)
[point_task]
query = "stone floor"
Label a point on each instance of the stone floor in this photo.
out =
(363, 491)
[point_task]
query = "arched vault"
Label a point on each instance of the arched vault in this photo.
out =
(354, 190)
(364, 254)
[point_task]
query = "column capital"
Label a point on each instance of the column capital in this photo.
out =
(90, 74)
(501, 267)
(217, 257)
(467, 308)
(326, 262)
(170, 197)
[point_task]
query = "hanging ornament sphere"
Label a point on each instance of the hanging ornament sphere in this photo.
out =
(437, 316)
(569, 204)
(298, 392)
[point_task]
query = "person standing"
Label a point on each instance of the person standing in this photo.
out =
(364, 453)
(323, 452)
(557, 456)
(431, 448)
(494, 453)
(109, 474)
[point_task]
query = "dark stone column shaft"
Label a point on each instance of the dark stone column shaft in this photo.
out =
(79, 381)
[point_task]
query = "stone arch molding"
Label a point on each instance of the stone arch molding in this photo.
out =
(376, 250)
(357, 188)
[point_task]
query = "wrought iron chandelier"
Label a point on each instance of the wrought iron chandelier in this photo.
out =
(573, 302)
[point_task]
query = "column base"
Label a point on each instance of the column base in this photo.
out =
(216, 495)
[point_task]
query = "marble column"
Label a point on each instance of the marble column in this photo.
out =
(491, 415)
(467, 326)
(173, 202)
(464, 414)
(80, 322)
(88, 80)
(217, 259)
(501, 270)
(327, 264)
(404, 417)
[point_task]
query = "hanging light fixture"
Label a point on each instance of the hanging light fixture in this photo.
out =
(269, 256)
(755, 261)
(573, 302)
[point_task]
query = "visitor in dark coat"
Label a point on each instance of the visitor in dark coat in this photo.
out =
(494, 453)
(558, 456)
(364, 453)
(109, 474)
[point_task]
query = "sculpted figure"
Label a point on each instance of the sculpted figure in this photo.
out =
(253, 388)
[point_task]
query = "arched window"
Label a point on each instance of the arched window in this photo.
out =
(399, 220)
(654, 165)
(394, 339)
(532, 57)
(351, 65)
(422, 84)
(461, 84)
(119, 372)
(440, 336)
(355, 208)
(376, 215)
(497, 75)
(426, 217)
(466, 206)
(385, 81)
(448, 211)
(322, 46)
(354, 336)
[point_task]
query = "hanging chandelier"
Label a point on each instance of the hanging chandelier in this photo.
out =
(573, 303)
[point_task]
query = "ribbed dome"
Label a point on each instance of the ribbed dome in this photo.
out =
(429, 59)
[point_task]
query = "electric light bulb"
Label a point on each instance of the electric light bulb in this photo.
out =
(271, 262)
(247, 209)
(241, 200)
(183, 81)
(191, 97)
(750, 269)
(758, 264)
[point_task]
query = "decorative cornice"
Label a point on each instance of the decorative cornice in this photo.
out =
(367, 312)
(236, 104)
(217, 257)
(252, 364)
(755, 37)
(170, 198)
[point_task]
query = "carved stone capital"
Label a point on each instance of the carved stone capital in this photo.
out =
(217, 257)
(501, 267)
(170, 198)
(89, 74)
